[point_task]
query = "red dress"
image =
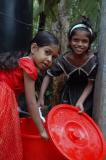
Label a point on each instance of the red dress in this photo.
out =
(11, 84)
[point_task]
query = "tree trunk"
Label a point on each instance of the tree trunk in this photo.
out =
(100, 86)
(42, 21)
(60, 28)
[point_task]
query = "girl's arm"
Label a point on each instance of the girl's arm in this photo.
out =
(43, 89)
(84, 95)
(32, 104)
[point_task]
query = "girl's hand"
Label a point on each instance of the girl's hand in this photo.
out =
(80, 105)
(40, 102)
(44, 134)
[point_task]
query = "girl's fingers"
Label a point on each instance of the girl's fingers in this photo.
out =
(81, 110)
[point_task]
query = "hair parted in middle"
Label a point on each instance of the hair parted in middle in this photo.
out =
(9, 60)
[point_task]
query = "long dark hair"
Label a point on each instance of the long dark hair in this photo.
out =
(9, 60)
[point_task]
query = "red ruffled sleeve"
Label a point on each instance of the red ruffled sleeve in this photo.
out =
(29, 67)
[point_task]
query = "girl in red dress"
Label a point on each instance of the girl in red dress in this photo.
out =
(18, 75)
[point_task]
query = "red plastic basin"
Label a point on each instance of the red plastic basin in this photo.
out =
(35, 147)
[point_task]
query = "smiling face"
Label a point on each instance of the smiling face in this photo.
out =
(80, 42)
(43, 56)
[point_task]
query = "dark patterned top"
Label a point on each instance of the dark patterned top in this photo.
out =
(77, 78)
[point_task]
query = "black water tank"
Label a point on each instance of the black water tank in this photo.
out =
(15, 24)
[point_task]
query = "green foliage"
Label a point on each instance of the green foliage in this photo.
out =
(74, 8)
(82, 7)
(49, 7)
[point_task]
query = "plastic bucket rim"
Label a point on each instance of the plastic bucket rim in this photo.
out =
(100, 134)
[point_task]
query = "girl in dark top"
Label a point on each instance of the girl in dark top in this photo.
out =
(79, 66)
